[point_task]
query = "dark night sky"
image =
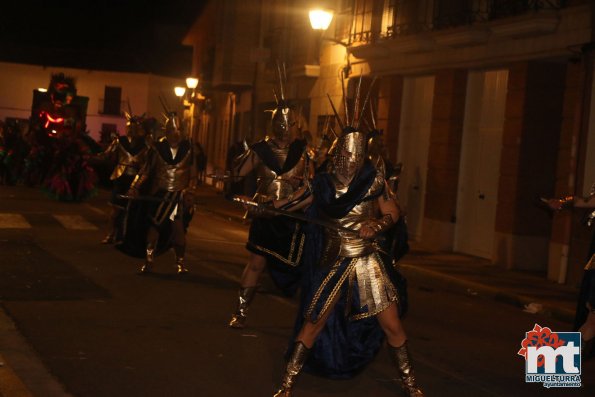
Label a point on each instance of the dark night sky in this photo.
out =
(131, 35)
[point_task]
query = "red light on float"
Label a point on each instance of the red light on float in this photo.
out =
(50, 119)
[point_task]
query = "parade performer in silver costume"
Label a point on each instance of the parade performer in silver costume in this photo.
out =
(349, 303)
(163, 193)
(282, 167)
(130, 153)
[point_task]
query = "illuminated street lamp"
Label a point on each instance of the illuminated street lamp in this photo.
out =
(320, 19)
(191, 82)
(180, 91)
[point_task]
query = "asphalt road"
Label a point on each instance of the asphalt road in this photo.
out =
(102, 330)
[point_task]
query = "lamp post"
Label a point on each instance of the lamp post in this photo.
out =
(192, 83)
(189, 97)
(320, 19)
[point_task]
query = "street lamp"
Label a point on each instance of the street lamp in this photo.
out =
(191, 82)
(320, 19)
(180, 91)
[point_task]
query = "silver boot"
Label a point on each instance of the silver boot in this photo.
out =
(245, 297)
(180, 265)
(402, 360)
(293, 369)
(148, 265)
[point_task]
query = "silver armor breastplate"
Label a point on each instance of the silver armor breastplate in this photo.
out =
(274, 187)
(174, 177)
(129, 164)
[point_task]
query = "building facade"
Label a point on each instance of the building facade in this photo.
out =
(486, 103)
(109, 93)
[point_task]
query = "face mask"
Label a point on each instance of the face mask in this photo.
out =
(282, 123)
(348, 154)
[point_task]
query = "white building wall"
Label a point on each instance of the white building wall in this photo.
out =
(17, 82)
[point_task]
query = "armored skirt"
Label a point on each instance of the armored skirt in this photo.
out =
(140, 215)
(281, 241)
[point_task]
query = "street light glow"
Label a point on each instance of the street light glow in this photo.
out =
(320, 19)
(180, 91)
(191, 82)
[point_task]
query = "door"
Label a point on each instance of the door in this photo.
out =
(414, 142)
(479, 171)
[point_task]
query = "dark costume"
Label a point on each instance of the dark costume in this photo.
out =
(60, 152)
(159, 218)
(346, 282)
(130, 157)
(130, 153)
(280, 172)
(9, 137)
(347, 266)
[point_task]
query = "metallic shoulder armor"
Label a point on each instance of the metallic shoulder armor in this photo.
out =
(378, 184)
(275, 187)
(129, 164)
(244, 163)
(173, 177)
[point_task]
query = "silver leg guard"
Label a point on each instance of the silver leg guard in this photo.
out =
(180, 265)
(148, 265)
(402, 360)
(245, 297)
(293, 369)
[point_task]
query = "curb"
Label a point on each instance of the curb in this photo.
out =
(467, 287)
(10, 384)
(455, 284)
(26, 376)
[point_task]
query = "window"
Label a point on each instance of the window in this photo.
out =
(112, 100)
(388, 18)
(343, 20)
(362, 21)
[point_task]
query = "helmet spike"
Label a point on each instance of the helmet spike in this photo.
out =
(368, 99)
(345, 101)
(276, 98)
(164, 105)
(331, 129)
(356, 114)
(335, 112)
(281, 82)
(285, 72)
(372, 114)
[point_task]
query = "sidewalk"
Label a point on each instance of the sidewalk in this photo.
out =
(455, 272)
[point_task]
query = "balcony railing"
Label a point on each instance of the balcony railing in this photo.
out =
(477, 11)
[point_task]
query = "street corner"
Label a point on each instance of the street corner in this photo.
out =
(10, 384)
